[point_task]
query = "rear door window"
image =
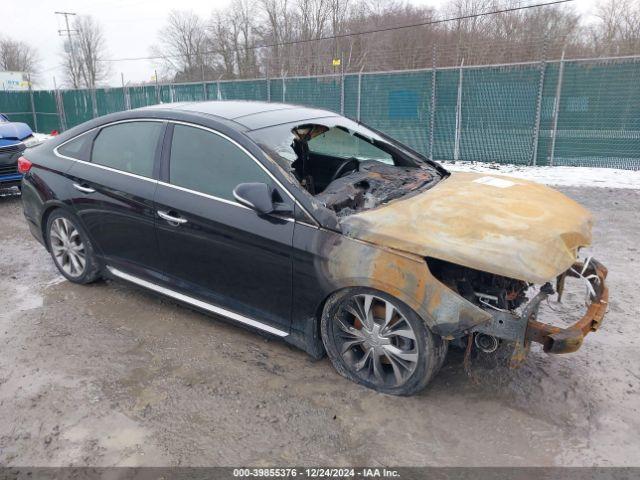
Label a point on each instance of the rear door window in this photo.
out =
(129, 147)
(77, 148)
(209, 163)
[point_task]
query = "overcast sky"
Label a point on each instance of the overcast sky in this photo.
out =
(130, 26)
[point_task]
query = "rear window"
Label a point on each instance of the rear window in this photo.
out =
(76, 148)
(129, 147)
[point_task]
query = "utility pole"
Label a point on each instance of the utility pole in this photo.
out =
(68, 31)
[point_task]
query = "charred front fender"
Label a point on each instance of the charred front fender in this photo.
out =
(348, 262)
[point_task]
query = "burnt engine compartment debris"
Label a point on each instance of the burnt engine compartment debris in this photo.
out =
(481, 288)
(373, 184)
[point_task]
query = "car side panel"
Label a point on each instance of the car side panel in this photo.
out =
(46, 186)
(228, 255)
(325, 262)
(118, 216)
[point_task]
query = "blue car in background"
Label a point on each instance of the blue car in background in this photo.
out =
(15, 137)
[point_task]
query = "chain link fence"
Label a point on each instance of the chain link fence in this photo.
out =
(581, 112)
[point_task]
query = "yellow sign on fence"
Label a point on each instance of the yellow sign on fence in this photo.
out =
(336, 62)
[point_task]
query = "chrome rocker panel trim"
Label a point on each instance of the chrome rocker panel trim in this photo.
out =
(197, 303)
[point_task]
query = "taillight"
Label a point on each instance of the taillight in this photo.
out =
(24, 165)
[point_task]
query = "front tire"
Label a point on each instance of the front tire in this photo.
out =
(71, 249)
(377, 341)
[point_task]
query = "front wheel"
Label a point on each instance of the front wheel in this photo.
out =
(379, 342)
(71, 248)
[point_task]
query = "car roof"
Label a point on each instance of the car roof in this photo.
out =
(252, 115)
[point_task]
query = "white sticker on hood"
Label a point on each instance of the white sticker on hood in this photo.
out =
(495, 182)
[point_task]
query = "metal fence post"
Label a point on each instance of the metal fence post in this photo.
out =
(218, 91)
(60, 106)
(125, 93)
(94, 102)
(359, 106)
(456, 144)
(204, 86)
(33, 105)
(268, 83)
(284, 88)
(536, 128)
(341, 84)
(556, 109)
(432, 106)
(157, 87)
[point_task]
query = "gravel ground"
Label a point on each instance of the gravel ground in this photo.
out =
(108, 375)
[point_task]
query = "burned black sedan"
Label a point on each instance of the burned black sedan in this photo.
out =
(308, 226)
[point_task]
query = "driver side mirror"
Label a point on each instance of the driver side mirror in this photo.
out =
(259, 197)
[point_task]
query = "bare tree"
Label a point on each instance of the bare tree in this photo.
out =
(84, 59)
(16, 56)
(617, 31)
(279, 29)
(91, 51)
(241, 20)
(220, 40)
(183, 46)
(229, 45)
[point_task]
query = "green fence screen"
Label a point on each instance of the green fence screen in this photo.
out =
(576, 112)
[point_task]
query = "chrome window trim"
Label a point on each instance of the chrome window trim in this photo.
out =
(188, 190)
(250, 155)
(212, 197)
(104, 167)
(198, 303)
(115, 170)
(201, 194)
(58, 154)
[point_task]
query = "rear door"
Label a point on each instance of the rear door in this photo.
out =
(114, 193)
(216, 249)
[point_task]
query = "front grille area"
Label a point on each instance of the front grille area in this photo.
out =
(18, 147)
(8, 169)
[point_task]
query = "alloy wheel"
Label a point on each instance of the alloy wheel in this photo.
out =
(375, 340)
(67, 247)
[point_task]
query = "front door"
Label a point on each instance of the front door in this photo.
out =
(214, 248)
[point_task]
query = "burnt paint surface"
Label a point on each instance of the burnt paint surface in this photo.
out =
(505, 226)
(326, 261)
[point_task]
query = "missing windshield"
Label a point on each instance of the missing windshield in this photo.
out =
(344, 165)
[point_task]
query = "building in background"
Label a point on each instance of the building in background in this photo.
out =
(17, 81)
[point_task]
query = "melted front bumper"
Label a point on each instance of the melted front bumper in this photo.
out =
(525, 328)
(566, 340)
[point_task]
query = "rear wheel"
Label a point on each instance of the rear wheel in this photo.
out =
(71, 248)
(377, 341)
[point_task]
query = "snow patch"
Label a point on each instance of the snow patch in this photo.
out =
(561, 176)
(41, 137)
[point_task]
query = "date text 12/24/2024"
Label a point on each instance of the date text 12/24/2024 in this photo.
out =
(317, 472)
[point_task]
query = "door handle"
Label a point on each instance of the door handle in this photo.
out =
(83, 189)
(171, 219)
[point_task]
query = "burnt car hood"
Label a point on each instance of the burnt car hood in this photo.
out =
(501, 225)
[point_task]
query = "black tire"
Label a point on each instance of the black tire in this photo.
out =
(431, 349)
(90, 271)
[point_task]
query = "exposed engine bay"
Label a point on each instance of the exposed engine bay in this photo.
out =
(480, 288)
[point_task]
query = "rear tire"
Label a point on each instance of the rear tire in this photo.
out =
(71, 249)
(377, 341)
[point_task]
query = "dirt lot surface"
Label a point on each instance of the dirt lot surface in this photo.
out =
(108, 374)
